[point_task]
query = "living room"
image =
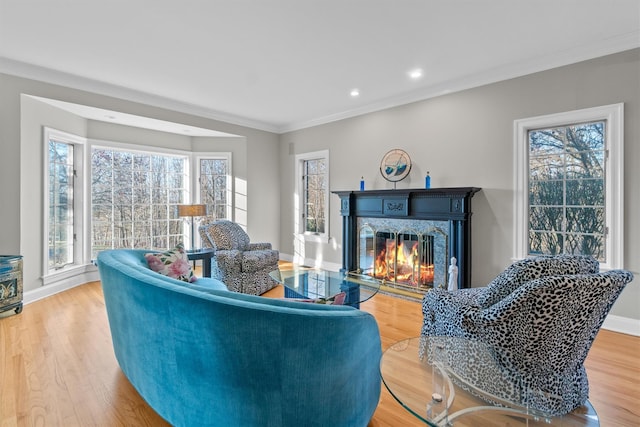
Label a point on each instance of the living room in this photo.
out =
(462, 138)
(263, 190)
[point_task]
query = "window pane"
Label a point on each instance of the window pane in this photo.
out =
(585, 137)
(566, 189)
(545, 218)
(587, 192)
(545, 142)
(547, 243)
(141, 162)
(547, 167)
(61, 173)
(312, 167)
(585, 244)
(585, 165)
(314, 194)
(122, 160)
(160, 212)
(585, 220)
(546, 192)
(215, 187)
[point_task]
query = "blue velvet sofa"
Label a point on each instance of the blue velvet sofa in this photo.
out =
(201, 355)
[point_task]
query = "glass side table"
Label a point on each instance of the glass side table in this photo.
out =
(315, 283)
(421, 375)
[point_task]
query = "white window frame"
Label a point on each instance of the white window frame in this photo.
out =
(137, 148)
(196, 174)
(80, 248)
(613, 115)
(299, 194)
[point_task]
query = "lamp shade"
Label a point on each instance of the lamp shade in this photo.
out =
(192, 210)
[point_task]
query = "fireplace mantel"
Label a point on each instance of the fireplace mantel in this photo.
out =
(442, 204)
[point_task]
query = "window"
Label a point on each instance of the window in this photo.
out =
(134, 198)
(63, 199)
(569, 184)
(107, 195)
(214, 181)
(313, 194)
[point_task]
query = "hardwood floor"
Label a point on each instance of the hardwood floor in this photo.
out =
(57, 366)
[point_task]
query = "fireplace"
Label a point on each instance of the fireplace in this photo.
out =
(407, 237)
(405, 252)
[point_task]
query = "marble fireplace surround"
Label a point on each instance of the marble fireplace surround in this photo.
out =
(372, 230)
(449, 208)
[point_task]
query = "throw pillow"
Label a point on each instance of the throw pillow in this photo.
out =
(173, 263)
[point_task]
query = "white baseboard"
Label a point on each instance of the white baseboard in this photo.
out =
(625, 325)
(60, 286)
(286, 257)
(309, 262)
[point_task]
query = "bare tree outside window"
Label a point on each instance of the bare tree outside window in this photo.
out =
(134, 199)
(61, 221)
(567, 190)
(314, 196)
(214, 186)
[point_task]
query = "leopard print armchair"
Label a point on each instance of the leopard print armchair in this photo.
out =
(442, 310)
(241, 265)
(539, 334)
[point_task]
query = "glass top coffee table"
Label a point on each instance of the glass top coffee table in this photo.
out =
(325, 285)
(436, 379)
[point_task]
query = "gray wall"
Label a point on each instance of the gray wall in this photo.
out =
(466, 139)
(21, 122)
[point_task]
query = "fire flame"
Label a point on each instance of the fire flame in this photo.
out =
(400, 263)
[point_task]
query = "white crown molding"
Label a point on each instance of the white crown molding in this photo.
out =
(46, 75)
(557, 59)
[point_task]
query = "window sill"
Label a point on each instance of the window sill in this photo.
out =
(314, 238)
(66, 273)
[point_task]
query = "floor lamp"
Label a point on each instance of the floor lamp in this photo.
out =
(192, 211)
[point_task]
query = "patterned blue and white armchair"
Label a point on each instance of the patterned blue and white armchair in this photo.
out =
(241, 265)
(442, 310)
(539, 318)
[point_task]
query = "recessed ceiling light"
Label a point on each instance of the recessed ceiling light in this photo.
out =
(355, 92)
(415, 74)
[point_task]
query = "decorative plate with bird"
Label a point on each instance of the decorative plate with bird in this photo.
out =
(395, 165)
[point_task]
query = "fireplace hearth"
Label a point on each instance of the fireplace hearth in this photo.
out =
(407, 237)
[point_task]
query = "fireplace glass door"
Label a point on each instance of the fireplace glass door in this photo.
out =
(404, 257)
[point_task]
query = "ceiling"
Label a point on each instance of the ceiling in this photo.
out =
(280, 65)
